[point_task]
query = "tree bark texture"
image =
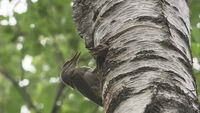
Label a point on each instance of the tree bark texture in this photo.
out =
(148, 66)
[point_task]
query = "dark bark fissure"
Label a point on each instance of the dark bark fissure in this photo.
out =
(161, 104)
(119, 77)
(118, 98)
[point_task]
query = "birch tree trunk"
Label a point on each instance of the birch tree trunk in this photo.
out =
(148, 66)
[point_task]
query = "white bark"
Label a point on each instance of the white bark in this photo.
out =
(148, 67)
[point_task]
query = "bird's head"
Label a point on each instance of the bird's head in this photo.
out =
(67, 69)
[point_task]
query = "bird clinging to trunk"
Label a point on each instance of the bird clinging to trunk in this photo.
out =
(84, 79)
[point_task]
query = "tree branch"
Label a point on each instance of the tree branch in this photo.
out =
(59, 93)
(24, 94)
(61, 87)
(96, 109)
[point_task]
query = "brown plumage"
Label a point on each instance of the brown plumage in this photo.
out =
(83, 79)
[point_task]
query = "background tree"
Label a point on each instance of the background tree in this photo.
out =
(34, 47)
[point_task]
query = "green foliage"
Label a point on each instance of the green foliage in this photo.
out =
(195, 22)
(46, 34)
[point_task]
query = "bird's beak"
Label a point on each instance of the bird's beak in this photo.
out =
(73, 60)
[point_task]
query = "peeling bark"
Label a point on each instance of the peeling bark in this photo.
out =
(148, 66)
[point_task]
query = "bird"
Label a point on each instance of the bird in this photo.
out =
(83, 79)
